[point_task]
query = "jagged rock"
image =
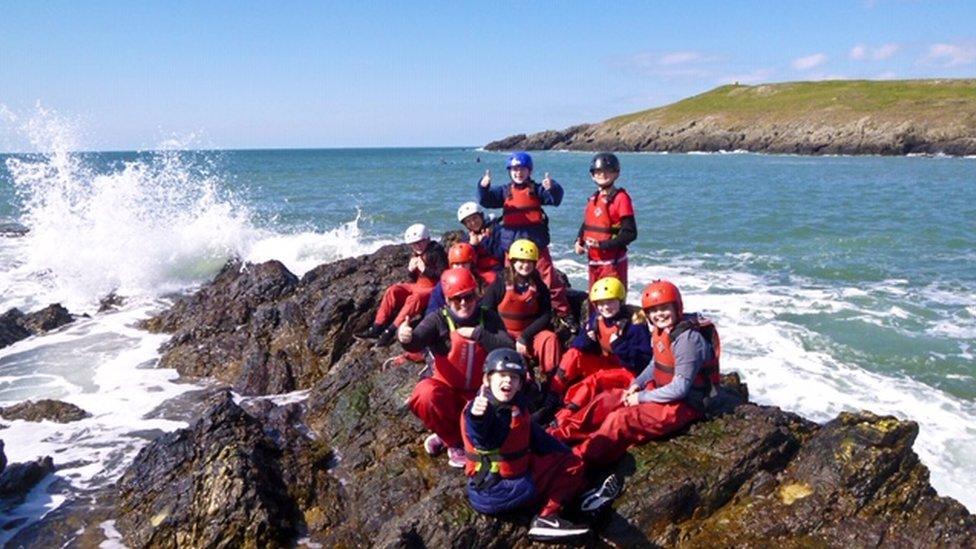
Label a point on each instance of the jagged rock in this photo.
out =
(17, 479)
(110, 302)
(15, 325)
(51, 410)
(3, 458)
(222, 482)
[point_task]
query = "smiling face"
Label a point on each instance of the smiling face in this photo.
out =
(662, 317)
(603, 178)
(504, 385)
(523, 267)
(463, 305)
(474, 222)
(607, 308)
(519, 174)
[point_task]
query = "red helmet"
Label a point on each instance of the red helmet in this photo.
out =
(457, 281)
(660, 292)
(462, 252)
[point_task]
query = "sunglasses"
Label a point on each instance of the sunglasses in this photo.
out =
(464, 297)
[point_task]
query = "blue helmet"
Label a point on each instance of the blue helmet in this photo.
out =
(505, 360)
(520, 158)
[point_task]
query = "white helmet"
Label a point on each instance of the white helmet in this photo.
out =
(469, 208)
(416, 233)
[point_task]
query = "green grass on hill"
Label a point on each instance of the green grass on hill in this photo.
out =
(831, 100)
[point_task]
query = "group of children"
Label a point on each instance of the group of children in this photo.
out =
(488, 310)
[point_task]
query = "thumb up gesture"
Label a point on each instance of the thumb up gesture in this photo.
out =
(547, 182)
(479, 405)
(486, 179)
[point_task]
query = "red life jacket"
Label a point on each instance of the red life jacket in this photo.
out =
(511, 459)
(598, 225)
(522, 207)
(708, 373)
(605, 332)
(462, 367)
(518, 310)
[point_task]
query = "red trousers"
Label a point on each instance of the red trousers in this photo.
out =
(614, 427)
(557, 478)
(405, 300)
(576, 365)
(617, 269)
(560, 302)
(573, 422)
(439, 407)
(546, 349)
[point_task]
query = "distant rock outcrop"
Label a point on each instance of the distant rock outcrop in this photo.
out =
(16, 480)
(346, 466)
(15, 325)
(51, 410)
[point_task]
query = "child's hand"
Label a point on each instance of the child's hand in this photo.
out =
(486, 179)
(466, 332)
(479, 405)
(546, 182)
(579, 248)
(631, 390)
(405, 333)
(591, 243)
(521, 349)
(414, 263)
(614, 337)
(591, 334)
(475, 238)
(421, 266)
(632, 399)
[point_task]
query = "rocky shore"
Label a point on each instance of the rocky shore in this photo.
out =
(340, 462)
(810, 118)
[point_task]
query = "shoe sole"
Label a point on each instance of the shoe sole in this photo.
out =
(547, 534)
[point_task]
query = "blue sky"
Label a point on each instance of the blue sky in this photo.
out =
(302, 74)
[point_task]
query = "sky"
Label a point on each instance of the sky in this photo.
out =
(289, 74)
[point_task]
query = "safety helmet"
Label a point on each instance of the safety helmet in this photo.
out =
(523, 249)
(607, 288)
(661, 292)
(468, 209)
(520, 158)
(462, 252)
(604, 161)
(457, 281)
(505, 360)
(416, 233)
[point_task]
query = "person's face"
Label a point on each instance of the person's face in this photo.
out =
(474, 222)
(607, 308)
(466, 265)
(603, 178)
(463, 305)
(523, 267)
(419, 247)
(504, 385)
(663, 316)
(519, 174)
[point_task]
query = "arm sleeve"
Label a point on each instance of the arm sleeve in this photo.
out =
(645, 377)
(551, 197)
(634, 348)
(488, 431)
(545, 311)
(493, 334)
(583, 341)
(430, 330)
(627, 234)
(494, 294)
(491, 197)
(436, 300)
(690, 352)
(542, 442)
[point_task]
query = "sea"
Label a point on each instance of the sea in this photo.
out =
(837, 283)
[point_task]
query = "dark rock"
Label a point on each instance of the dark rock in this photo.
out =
(51, 410)
(19, 478)
(12, 229)
(110, 302)
(12, 327)
(15, 325)
(3, 458)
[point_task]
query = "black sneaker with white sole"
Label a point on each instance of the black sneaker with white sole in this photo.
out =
(599, 497)
(554, 528)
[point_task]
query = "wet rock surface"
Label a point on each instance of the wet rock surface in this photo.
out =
(16, 480)
(15, 325)
(46, 409)
(346, 466)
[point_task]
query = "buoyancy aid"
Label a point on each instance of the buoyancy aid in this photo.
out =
(462, 367)
(511, 459)
(522, 206)
(708, 374)
(598, 226)
(605, 332)
(518, 310)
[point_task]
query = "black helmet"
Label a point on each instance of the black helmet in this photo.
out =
(605, 161)
(505, 360)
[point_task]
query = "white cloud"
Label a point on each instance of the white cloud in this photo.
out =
(858, 52)
(950, 55)
(809, 62)
(884, 52)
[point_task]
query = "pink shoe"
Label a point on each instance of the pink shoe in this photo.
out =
(433, 445)
(456, 457)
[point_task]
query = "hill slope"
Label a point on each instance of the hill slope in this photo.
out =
(828, 117)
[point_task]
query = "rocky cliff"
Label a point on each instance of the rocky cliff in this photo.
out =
(345, 467)
(830, 117)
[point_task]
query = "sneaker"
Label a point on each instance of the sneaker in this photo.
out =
(372, 332)
(434, 445)
(387, 337)
(456, 457)
(597, 498)
(395, 361)
(554, 528)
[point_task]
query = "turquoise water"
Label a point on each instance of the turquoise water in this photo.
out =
(837, 283)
